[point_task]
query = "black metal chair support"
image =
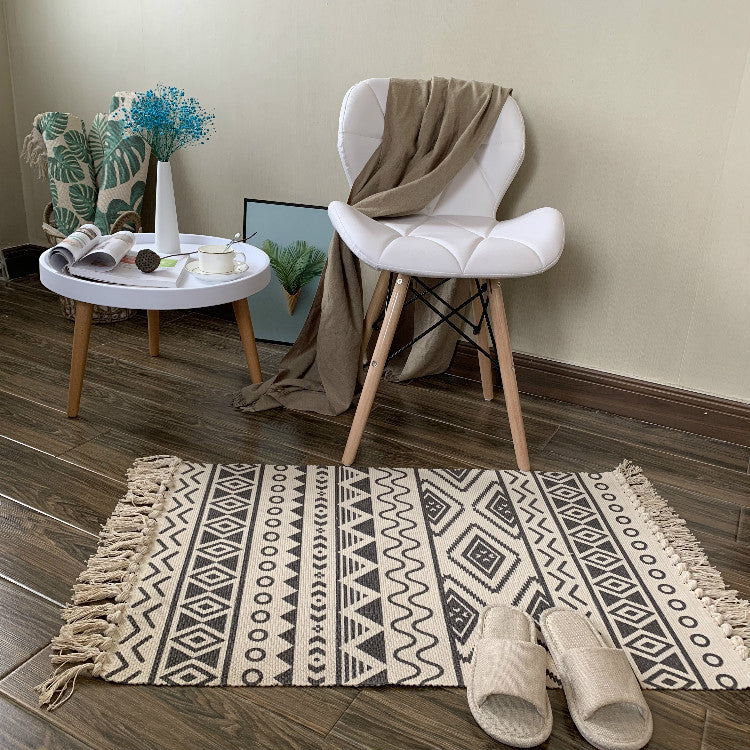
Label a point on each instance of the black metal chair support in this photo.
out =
(417, 295)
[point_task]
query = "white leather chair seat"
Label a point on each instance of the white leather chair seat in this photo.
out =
(453, 246)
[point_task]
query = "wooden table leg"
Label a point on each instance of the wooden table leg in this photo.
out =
(153, 332)
(245, 324)
(81, 334)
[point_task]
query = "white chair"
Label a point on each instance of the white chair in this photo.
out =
(456, 235)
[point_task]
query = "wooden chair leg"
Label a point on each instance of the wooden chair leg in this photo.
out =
(373, 309)
(81, 335)
(375, 371)
(483, 339)
(153, 332)
(245, 324)
(508, 374)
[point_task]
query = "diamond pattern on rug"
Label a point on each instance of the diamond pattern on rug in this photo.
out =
(323, 575)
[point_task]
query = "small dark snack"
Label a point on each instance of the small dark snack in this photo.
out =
(147, 260)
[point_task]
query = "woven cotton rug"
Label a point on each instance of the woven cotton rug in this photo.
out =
(330, 575)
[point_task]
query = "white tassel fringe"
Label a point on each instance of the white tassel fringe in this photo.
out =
(92, 621)
(730, 612)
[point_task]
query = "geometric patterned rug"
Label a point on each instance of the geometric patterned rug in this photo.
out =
(245, 574)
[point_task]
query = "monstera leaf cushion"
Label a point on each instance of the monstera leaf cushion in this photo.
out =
(72, 183)
(95, 177)
(120, 165)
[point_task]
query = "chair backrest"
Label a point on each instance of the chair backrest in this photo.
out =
(475, 191)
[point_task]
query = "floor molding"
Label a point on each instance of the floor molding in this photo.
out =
(27, 247)
(665, 405)
(22, 259)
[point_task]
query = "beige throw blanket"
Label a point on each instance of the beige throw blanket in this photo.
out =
(432, 128)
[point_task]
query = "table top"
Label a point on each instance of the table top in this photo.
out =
(191, 293)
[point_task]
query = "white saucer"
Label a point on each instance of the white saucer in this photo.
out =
(193, 267)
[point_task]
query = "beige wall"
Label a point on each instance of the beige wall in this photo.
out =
(12, 213)
(637, 119)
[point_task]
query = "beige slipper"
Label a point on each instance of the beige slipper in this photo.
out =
(507, 683)
(603, 694)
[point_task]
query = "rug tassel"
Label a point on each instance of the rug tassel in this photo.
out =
(60, 686)
(729, 611)
(34, 152)
(92, 622)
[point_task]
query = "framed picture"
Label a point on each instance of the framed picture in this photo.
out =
(284, 223)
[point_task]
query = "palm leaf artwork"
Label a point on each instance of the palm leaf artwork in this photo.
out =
(52, 124)
(82, 198)
(53, 192)
(96, 141)
(294, 265)
(76, 141)
(67, 222)
(118, 206)
(122, 157)
(63, 165)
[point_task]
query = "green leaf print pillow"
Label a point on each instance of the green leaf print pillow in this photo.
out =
(72, 183)
(120, 165)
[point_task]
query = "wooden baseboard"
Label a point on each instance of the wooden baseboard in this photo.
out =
(22, 259)
(710, 416)
(28, 247)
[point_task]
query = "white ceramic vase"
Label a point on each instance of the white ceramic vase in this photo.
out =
(167, 234)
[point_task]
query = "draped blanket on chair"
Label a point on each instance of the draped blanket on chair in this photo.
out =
(431, 130)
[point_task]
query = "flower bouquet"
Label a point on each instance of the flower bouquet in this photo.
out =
(167, 120)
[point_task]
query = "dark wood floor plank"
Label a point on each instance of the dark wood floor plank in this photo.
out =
(27, 623)
(477, 415)
(417, 718)
(727, 716)
(28, 293)
(461, 428)
(44, 428)
(23, 730)
(114, 452)
(733, 562)
(79, 497)
(677, 725)
(128, 340)
(694, 476)
(653, 436)
(131, 334)
(149, 718)
(179, 403)
(451, 446)
(721, 521)
(724, 731)
(656, 437)
(41, 553)
(102, 369)
(140, 402)
(166, 389)
(743, 527)
(429, 719)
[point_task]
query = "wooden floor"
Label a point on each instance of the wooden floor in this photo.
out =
(60, 479)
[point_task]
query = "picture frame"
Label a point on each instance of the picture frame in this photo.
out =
(283, 223)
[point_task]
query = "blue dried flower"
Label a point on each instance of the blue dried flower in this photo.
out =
(168, 120)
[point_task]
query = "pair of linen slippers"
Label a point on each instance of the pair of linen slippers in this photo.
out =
(507, 684)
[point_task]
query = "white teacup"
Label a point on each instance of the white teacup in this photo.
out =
(218, 259)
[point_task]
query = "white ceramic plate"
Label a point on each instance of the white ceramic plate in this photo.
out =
(193, 267)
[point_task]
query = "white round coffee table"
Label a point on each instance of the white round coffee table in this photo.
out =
(190, 294)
